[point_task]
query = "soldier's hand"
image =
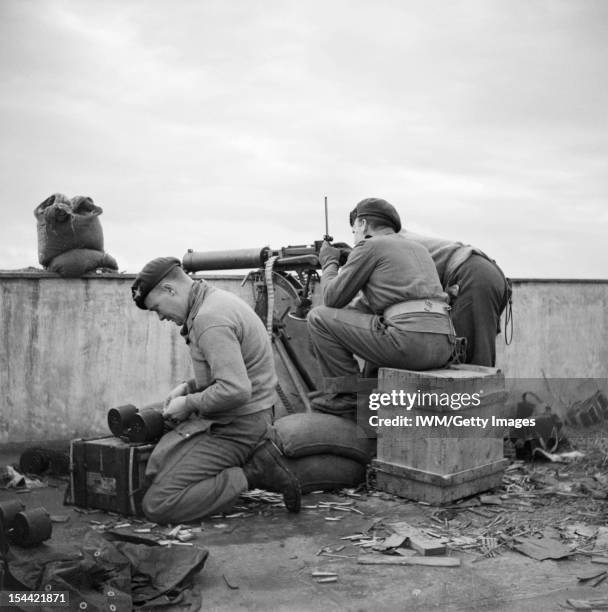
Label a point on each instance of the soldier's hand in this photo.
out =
(176, 410)
(328, 254)
(345, 250)
(178, 391)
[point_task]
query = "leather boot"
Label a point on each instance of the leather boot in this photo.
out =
(266, 470)
(338, 404)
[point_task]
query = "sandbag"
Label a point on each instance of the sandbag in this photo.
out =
(65, 224)
(313, 433)
(326, 472)
(77, 262)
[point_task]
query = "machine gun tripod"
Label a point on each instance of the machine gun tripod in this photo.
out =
(285, 283)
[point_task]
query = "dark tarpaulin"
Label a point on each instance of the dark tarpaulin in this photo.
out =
(115, 576)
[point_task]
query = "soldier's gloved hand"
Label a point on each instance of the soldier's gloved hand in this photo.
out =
(328, 254)
(178, 391)
(176, 411)
(345, 250)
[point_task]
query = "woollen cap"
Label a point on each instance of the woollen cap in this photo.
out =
(151, 274)
(379, 209)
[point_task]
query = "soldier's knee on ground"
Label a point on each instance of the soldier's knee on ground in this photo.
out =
(155, 506)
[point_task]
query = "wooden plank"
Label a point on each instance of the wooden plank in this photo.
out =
(418, 540)
(600, 560)
(427, 561)
(394, 541)
(442, 480)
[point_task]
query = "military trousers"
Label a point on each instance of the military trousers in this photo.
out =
(202, 475)
(338, 334)
(482, 296)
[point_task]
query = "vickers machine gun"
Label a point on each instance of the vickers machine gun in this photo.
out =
(285, 283)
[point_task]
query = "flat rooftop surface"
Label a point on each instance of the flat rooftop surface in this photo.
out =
(262, 558)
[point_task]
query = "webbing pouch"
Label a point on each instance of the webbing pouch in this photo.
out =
(459, 351)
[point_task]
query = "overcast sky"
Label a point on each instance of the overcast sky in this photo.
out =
(212, 124)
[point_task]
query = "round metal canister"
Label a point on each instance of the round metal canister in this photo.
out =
(147, 426)
(34, 461)
(121, 418)
(9, 510)
(31, 527)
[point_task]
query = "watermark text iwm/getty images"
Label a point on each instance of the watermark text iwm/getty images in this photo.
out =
(419, 399)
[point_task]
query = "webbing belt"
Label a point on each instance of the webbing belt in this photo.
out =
(435, 306)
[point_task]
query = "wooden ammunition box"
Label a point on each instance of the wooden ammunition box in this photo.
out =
(442, 462)
(108, 474)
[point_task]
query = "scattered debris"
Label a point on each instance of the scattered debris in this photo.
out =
(172, 533)
(515, 517)
(591, 577)
(541, 549)
(586, 531)
(263, 496)
(601, 539)
(10, 478)
(559, 457)
(491, 500)
(428, 561)
(229, 584)
(418, 540)
(600, 560)
(59, 518)
(170, 543)
(595, 579)
(600, 603)
(480, 513)
(394, 541)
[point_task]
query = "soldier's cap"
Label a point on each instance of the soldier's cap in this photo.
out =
(151, 274)
(379, 209)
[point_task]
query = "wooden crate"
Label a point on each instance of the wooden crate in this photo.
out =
(108, 474)
(441, 463)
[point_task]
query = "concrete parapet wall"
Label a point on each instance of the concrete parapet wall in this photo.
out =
(560, 328)
(70, 349)
(560, 342)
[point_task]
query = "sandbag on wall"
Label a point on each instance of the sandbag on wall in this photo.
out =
(326, 472)
(77, 262)
(313, 433)
(65, 224)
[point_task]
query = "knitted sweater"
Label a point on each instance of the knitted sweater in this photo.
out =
(231, 356)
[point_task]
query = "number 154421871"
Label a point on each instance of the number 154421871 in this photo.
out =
(33, 598)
